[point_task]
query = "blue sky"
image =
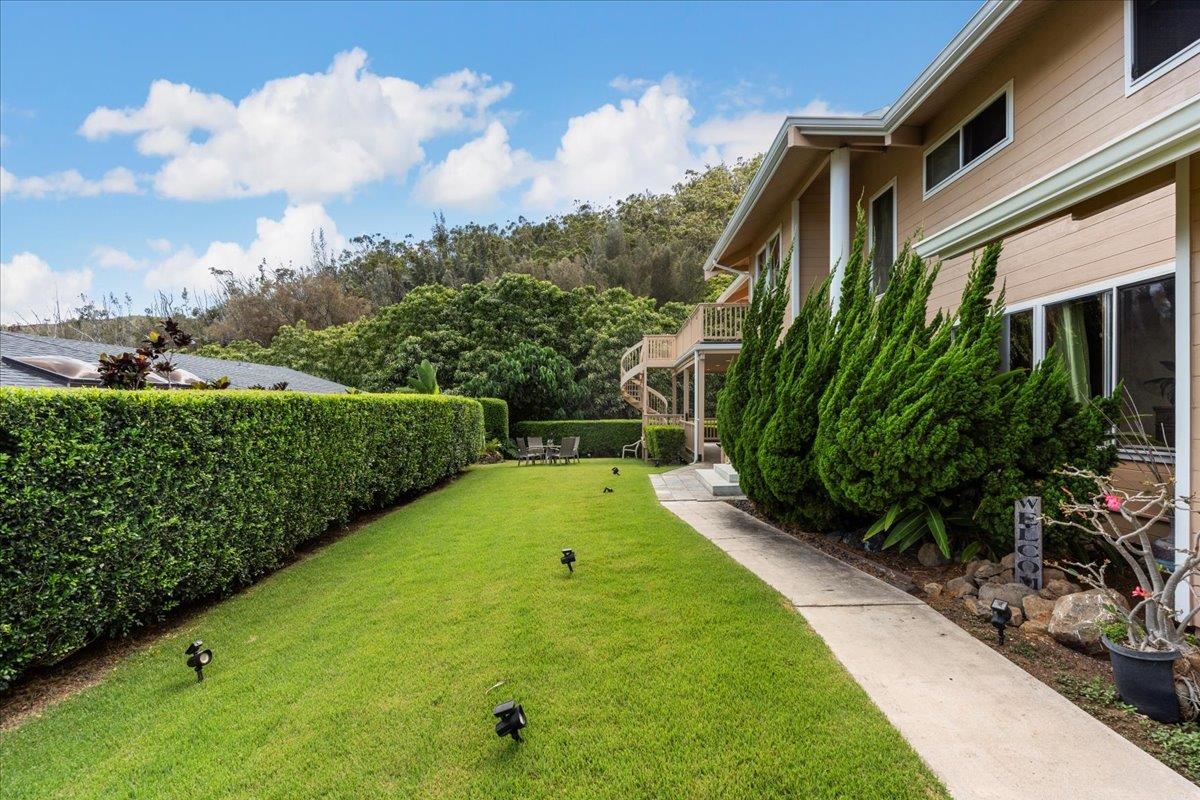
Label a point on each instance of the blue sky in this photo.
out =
(144, 143)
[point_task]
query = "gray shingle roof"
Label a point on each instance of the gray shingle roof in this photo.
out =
(241, 374)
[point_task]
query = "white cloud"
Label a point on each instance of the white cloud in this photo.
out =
(613, 151)
(627, 85)
(159, 245)
(472, 175)
(310, 136)
(69, 183)
(745, 135)
(283, 242)
(111, 258)
(30, 290)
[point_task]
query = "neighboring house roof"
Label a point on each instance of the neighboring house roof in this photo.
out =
(241, 374)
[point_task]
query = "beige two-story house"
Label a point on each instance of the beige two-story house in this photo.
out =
(1068, 130)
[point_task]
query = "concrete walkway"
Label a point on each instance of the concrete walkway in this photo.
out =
(986, 727)
(684, 484)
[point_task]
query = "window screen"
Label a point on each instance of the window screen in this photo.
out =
(942, 162)
(985, 130)
(1162, 28)
(1146, 354)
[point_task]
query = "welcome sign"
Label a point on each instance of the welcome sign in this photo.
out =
(1028, 523)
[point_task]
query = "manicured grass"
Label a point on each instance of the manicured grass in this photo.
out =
(659, 669)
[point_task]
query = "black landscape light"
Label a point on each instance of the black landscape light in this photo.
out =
(607, 490)
(511, 719)
(198, 659)
(1001, 616)
(616, 471)
(568, 558)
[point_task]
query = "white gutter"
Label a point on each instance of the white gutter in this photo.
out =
(984, 21)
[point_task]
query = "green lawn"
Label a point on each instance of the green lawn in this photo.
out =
(659, 669)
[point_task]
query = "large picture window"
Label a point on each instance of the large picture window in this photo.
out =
(979, 136)
(1121, 334)
(1161, 34)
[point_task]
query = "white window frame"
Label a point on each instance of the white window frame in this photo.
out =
(963, 169)
(895, 224)
(1150, 77)
(778, 234)
(1110, 286)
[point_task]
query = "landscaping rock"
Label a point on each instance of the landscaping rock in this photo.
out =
(986, 570)
(1035, 626)
(933, 589)
(973, 606)
(1052, 574)
(961, 587)
(1018, 617)
(1077, 618)
(1057, 587)
(1038, 608)
(1004, 576)
(973, 566)
(1009, 561)
(930, 556)
(1011, 593)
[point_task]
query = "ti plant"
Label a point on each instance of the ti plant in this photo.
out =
(130, 370)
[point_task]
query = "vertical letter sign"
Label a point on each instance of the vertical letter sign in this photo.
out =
(1028, 522)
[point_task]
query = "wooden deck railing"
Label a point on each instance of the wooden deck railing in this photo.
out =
(710, 322)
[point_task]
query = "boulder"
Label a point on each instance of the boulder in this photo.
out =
(1078, 617)
(1009, 561)
(930, 556)
(933, 589)
(1003, 576)
(961, 587)
(1018, 617)
(986, 570)
(1038, 608)
(1011, 593)
(1035, 626)
(1056, 588)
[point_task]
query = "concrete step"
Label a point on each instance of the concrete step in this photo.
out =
(726, 472)
(716, 485)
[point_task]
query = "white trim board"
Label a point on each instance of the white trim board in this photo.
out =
(1163, 140)
(1005, 91)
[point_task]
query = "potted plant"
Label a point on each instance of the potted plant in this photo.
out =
(1147, 638)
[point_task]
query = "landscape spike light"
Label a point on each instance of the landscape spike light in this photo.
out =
(1001, 616)
(511, 719)
(568, 558)
(198, 659)
(616, 470)
(607, 490)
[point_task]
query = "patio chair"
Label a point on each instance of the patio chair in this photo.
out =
(537, 450)
(523, 452)
(568, 450)
(631, 449)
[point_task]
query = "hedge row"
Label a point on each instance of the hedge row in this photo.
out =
(495, 418)
(664, 443)
(117, 506)
(597, 437)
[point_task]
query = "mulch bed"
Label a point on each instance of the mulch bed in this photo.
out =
(1085, 680)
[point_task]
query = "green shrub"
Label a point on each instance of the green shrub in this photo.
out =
(117, 506)
(597, 437)
(664, 443)
(495, 417)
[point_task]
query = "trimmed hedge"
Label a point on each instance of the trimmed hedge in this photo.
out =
(118, 506)
(664, 443)
(495, 418)
(597, 437)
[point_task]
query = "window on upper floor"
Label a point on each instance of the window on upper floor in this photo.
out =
(1159, 35)
(767, 259)
(983, 133)
(883, 237)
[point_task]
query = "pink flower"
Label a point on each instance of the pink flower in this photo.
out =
(1140, 592)
(1112, 502)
